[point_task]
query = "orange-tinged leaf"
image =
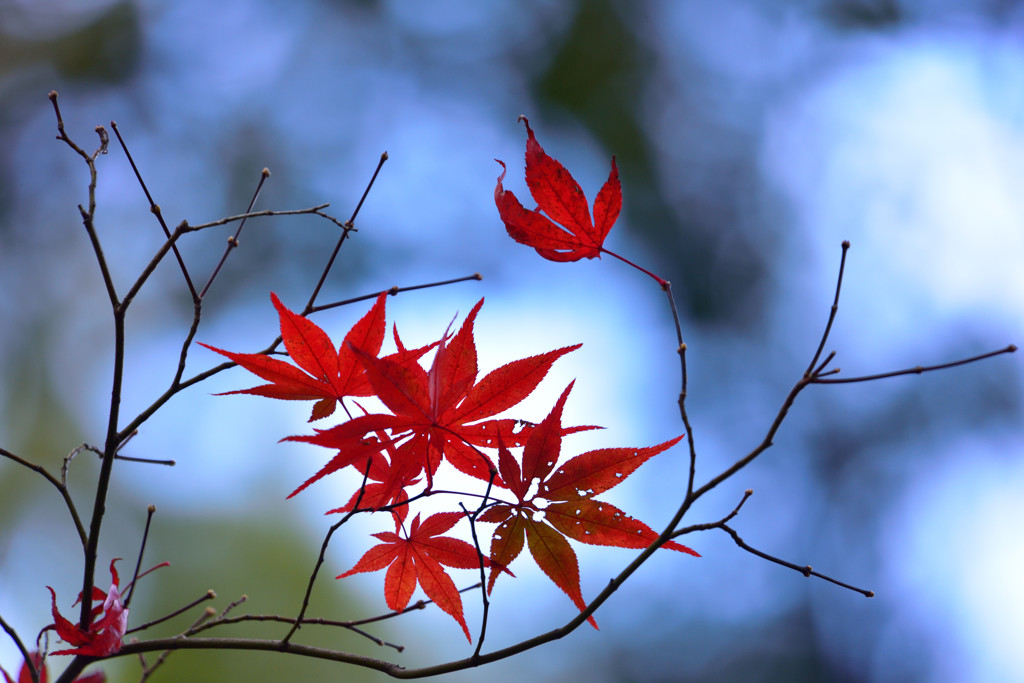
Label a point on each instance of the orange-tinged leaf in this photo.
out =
(599, 523)
(566, 508)
(400, 580)
(597, 471)
(440, 588)
(508, 539)
(557, 559)
(511, 473)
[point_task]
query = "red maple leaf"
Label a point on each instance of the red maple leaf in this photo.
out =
(323, 374)
(559, 196)
(420, 557)
(388, 487)
(104, 635)
(440, 414)
(564, 506)
(25, 675)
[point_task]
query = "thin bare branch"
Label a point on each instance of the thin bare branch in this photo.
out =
(832, 312)
(313, 210)
(33, 671)
(155, 210)
(208, 595)
(142, 549)
(233, 239)
(394, 291)
(805, 570)
(59, 484)
(323, 553)
(916, 370)
(346, 227)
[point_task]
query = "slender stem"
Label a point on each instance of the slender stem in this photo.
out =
(142, 548)
(155, 209)
(233, 239)
(106, 467)
(33, 671)
(346, 228)
(316, 210)
(917, 370)
(662, 282)
(208, 595)
(806, 570)
(323, 552)
(393, 291)
(832, 312)
(59, 485)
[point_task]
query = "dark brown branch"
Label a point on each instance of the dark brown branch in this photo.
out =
(59, 484)
(233, 239)
(33, 671)
(394, 291)
(313, 210)
(323, 553)
(208, 595)
(155, 210)
(917, 370)
(805, 570)
(346, 228)
(831, 315)
(142, 549)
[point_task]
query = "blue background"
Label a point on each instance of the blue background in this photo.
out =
(752, 138)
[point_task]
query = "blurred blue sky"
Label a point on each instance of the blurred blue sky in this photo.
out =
(753, 137)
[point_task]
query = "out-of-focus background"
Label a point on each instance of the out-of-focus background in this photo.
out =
(752, 138)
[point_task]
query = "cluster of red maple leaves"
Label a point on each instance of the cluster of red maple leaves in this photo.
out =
(445, 414)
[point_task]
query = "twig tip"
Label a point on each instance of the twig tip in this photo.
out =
(265, 172)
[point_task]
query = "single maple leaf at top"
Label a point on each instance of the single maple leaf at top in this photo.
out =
(441, 413)
(418, 558)
(563, 504)
(323, 374)
(559, 196)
